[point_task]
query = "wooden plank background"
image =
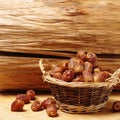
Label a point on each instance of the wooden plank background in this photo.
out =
(34, 29)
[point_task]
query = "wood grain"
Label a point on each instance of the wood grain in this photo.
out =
(28, 114)
(61, 25)
(17, 73)
(34, 29)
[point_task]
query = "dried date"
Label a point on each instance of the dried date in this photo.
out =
(31, 93)
(37, 106)
(68, 75)
(76, 64)
(24, 97)
(51, 110)
(17, 105)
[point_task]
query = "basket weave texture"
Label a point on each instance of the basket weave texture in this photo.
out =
(79, 97)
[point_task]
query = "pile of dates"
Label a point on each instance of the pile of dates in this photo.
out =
(81, 68)
(37, 105)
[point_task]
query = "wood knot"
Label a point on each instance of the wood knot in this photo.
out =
(73, 11)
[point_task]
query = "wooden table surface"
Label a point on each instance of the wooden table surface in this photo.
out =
(5, 113)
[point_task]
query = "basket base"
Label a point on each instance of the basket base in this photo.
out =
(80, 109)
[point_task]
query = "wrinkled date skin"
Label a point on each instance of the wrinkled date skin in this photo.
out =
(88, 66)
(37, 106)
(116, 106)
(65, 66)
(76, 64)
(31, 94)
(88, 77)
(78, 79)
(48, 101)
(51, 110)
(92, 58)
(56, 70)
(96, 70)
(101, 76)
(57, 75)
(81, 54)
(24, 97)
(68, 75)
(17, 105)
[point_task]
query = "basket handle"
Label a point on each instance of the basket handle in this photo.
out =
(115, 78)
(44, 65)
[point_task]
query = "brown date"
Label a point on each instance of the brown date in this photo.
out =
(56, 70)
(76, 64)
(92, 58)
(37, 106)
(17, 105)
(48, 101)
(88, 66)
(31, 94)
(116, 106)
(78, 78)
(101, 76)
(113, 105)
(96, 70)
(68, 75)
(81, 54)
(51, 110)
(88, 77)
(24, 97)
(57, 75)
(65, 66)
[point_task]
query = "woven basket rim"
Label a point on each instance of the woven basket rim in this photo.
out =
(52, 80)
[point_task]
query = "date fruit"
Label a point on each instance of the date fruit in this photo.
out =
(76, 64)
(81, 54)
(56, 70)
(17, 105)
(57, 75)
(88, 66)
(51, 110)
(101, 76)
(24, 97)
(78, 78)
(88, 77)
(48, 101)
(31, 94)
(116, 106)
(37, 106)
(96, 70)
(65, 66)
(92, 58)
(68, 75)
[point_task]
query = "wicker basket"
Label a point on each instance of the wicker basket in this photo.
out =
(79, 97)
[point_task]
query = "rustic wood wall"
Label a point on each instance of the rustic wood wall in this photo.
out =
(34, 29)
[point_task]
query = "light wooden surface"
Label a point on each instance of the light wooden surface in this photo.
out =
(28, 114)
